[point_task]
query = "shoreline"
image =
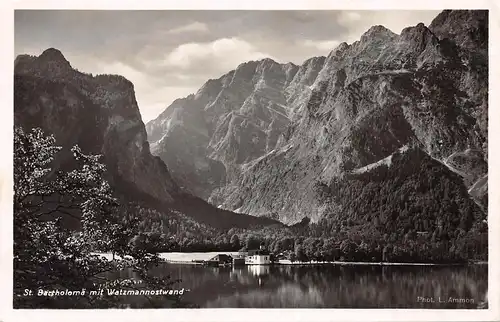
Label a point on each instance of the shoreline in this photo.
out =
(342, 263)
(198, 258)
(336, 264)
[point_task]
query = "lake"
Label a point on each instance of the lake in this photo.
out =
(327, 286)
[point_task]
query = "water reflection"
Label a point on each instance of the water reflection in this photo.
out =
(330, 286)
(259, 270)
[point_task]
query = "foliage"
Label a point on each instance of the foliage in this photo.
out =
(408, 215)
(389, 214)
(48, 254)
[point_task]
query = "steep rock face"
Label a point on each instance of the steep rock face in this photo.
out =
(300, 88)
(185, 133)
(421, 88)
(469, 30)
(100, 114)
(207, 137)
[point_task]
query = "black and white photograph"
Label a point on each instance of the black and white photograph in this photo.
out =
(250, 159)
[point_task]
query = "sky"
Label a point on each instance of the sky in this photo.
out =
(170, 54)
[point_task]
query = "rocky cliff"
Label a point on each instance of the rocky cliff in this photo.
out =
(268, 135)
(100, 114)
(425, 88)
(206, 138)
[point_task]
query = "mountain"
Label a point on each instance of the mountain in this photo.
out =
(100, 114)
(400, 120)
(372, 98)
(206, 138)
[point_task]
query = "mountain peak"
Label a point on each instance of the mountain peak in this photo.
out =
(378, 31)
(342, 46)
(267, 60)
(468, 28)
(314, 61)
(51, 63)
(467, 17)
(53, 54)
(417, 32)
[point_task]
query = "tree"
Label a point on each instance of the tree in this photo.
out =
(278, 246)
(300, 255)
(48, 253)
(252, 242)
(235, 242)
(348, 248)
(329, 249)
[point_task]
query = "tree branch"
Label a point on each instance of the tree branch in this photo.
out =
(60, 209)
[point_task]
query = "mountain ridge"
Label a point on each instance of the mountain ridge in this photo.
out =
(244, 107)
(424, 87)
(100, 113)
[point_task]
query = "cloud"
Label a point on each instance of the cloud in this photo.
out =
(152, 96)
(121, 69)
(348, 17)
(192, 27)
(325, 45)
(352, 16)
(154, 103)
(169, 54)
(224, 53)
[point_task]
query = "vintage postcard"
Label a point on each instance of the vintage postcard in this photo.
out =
(265, 158)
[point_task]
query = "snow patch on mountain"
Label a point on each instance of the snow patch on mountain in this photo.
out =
(387, 161)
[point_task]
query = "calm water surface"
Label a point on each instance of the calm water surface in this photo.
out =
(332, 286)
